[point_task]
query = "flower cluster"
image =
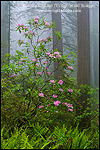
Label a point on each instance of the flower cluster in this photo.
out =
(13, 75)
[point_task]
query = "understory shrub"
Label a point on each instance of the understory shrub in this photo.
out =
(30, 94)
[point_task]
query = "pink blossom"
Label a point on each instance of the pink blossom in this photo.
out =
(20, 62)
(39, 73)
(70, 67)
(70, 109)
(47, 111)
(54, 96)
(66, 104)
(39, 40)
(45, 62)
(36, 20)
(36, 17)
(61, 90)
(33, 33)
(60, 82)
(48, 37)
(63, 103)
(56, 103)
(29, 31)
(47, 72)
(41, 94)
(56, 111)
(70, 105)
(22, 59)
(21, 24)
(71, 90)
(58, 56)
(37, 65)
(18, 25)
(48, 105)
(44, 40)
(21, 41)
(56, 53)
(47, 23)
(25, 33)
(47, 53)
(40, 50)
(52, 81)
(51, 55)
(41, 106)
(34, 59)
(13, 75)
(46, 68)
(25, 27)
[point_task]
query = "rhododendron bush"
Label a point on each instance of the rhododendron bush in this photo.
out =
(31, 90)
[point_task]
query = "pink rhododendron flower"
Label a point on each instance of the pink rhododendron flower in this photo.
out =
(18, 25)
(52, 81)
(40, 50)
(29, 32)
(61, 90)
(47, 53)
(37, 65)
(48, 37)
(58, 56)
(46, 68)
(54, 96)
(21, 24)
(47, 72)
(45, 62)
(41, 94)
(41, 106)
(56, 103)
(56, 111)
(39, 40)
(25, 27)
(21, 41)
(63, 103)
(25, 33)
(47, 23)
(34, 59)
(48, 105)
(39, 73)
(70, 109)
(47, 111)
(60, 82)
(36, 20)
(56, 53)
(13, 75)
(70, 67)
(44, 40)
(20, 62)
(36, 17)
(22, 59)
(66, 104)
(33, 33)
(70, 105)
(51, 55)
(71, 90)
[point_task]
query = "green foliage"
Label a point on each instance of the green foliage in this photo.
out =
(26, 86)
(37, 137)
